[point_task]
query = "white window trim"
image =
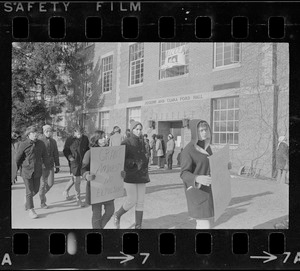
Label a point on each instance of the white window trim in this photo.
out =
(128, 117)
(136, 85)
(220, 132)
(101, 59)
(100, 120)
(172, 77)
(229, 66)
(133, 85)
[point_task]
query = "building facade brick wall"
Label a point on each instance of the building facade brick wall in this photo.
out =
(170, 100)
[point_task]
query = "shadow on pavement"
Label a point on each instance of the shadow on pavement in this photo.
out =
(233, 211)
(181, 220)
(156, 188)
(238, 200)
(270, 224)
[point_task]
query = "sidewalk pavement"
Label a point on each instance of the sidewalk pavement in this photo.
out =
(255, 204)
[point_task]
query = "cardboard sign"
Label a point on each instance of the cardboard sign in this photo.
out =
(107, 164)
(221, 181)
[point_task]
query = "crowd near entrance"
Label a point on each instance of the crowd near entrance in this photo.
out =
(176, 129)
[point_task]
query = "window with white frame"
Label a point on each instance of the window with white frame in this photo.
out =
(104, 121)
(134, 114)
(136, 63)
(226, 53)
(107, 70)
(174, 59)
(226, 121)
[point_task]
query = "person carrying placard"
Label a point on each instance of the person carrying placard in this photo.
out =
(99, 220)
(136, 168)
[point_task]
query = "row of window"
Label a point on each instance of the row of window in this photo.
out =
(173, 61)
(225, 120)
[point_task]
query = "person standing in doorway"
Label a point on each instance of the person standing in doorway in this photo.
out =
(159, 151)
(136, 169)
(32, 155)
(195, 173)
(48, 174)
(153, 149)
(170, 151)
(74, 150)
(147, 146)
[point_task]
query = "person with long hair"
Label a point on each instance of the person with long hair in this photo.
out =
(195, 173)
(136, 168)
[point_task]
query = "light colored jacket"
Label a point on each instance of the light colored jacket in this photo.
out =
(159, 148)
(171, 145)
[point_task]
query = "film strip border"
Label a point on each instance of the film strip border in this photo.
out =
(193, 22)
(125, 21)
(149, 249)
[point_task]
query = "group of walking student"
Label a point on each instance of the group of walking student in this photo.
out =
(38, 158)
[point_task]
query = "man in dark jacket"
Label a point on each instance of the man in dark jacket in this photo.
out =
(74, 150)
(48, 174)
(31, 155)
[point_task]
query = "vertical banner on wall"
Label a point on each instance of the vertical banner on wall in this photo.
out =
(221, 185)
(107, 164)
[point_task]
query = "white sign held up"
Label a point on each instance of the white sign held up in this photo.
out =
(107, 164)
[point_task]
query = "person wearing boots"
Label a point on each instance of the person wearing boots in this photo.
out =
(31, 155)
(48, 174)
(74, 150)
(136, 169)
(195, 173)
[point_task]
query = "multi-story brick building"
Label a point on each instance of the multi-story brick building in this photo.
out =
(241, 89)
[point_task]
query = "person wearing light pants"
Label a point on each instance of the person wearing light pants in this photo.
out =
(136, 169)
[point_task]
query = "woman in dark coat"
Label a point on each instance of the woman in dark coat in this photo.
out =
(74, 150)
(136, 168)
(195, 173)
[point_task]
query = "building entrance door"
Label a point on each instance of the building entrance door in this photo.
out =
(176, 129)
